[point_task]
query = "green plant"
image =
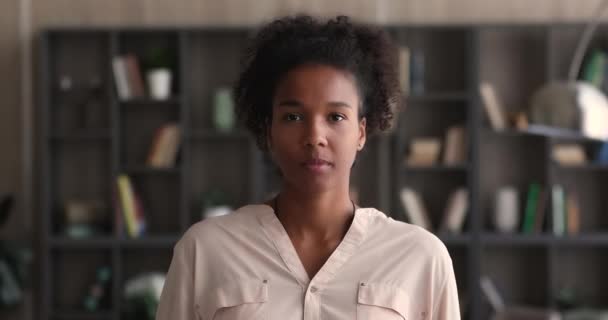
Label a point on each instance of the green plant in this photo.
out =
(158, 57)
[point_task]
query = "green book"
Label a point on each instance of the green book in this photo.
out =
(531, 204)
(594, 68)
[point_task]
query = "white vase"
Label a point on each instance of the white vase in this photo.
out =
(159, 83)
(506, 210)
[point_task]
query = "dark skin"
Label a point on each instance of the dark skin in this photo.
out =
(315, 134)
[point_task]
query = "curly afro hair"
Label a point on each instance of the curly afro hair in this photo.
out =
(365, 52)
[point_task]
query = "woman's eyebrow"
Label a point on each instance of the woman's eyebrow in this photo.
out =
(339, 104)
(290, 103)
(295, 103)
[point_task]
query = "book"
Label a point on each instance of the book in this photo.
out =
(572, 214)
(569, 154)
(164, 146)
(414, 208)
(541, 210)
(593, 71)
(492, 294)
(455, 146)
(424, 151)
(128, 205)
(455, 211)
(404, 69)
(558, 210)
(492, 106)
(134, 76)
(121, 78)
(602, 155)
(531, 204)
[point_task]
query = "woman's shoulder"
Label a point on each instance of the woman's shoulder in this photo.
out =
(385, 228)
(238, 221)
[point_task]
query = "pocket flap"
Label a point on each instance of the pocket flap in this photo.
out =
(385, 296)
(234, 294)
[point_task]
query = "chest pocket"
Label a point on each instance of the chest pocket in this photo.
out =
(382, 301)
(239, 300)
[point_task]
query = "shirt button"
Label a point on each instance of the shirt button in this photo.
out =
(313, 289)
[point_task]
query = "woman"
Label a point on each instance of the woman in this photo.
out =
(311, 92)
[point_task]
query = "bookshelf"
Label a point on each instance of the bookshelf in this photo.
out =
(83, 148)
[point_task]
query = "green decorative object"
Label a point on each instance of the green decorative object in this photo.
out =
(223, 110)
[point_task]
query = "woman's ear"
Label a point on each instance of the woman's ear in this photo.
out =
(362, 133)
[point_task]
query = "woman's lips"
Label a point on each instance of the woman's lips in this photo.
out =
(317, 165)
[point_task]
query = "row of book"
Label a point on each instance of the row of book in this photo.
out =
(411, 70)
(428, 151)
(128, 77)
(565, 210)
(563, 205)
(454, 215)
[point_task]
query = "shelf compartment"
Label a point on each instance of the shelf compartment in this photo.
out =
(138, 132)
(583, 272)
(213, 60)
(81, 173)
(528, 265)
(79, 85)
(220, 167)
(84, 263)
(434, 188)
(160, 199)
(146, 45)
(587, 186)
(444, 57)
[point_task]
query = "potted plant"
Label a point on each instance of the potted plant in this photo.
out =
(159, 75)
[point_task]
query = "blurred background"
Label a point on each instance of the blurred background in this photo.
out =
(117, 132)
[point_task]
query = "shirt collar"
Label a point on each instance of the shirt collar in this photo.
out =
(276, 233)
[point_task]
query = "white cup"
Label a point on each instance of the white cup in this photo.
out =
(159, 83)
(506, 210)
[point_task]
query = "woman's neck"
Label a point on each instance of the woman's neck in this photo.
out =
(322, 216)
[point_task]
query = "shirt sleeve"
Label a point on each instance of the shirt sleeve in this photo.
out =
(177, 298)
(447, 305)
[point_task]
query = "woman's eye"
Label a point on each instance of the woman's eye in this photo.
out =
(292, 117)
(336, 117)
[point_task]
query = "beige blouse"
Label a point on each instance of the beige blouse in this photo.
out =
(244, 266)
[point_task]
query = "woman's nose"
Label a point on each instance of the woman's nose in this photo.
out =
(315, 133)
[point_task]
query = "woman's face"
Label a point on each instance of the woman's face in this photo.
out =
(316, 132)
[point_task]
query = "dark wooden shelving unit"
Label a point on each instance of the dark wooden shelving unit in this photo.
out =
(83, 162)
